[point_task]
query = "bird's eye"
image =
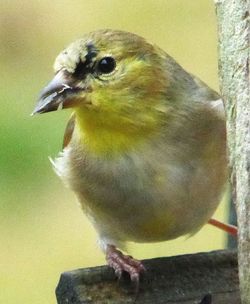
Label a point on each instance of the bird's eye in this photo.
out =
(106, 65)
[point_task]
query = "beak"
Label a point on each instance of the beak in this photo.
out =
(62, 92)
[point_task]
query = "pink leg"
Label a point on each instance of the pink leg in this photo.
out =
(120, 262)
(233, 230)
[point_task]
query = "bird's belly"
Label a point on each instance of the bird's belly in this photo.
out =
(142, 203)
(139, 217)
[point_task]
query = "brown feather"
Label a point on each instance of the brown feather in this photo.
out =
(69, 131)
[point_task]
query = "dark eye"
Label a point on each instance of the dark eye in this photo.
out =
(106, 65)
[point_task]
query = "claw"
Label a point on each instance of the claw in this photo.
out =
(120, 262)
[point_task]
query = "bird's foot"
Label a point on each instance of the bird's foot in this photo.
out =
(120, 262)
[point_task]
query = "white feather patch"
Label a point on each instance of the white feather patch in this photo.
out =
(218, 106)
(60, 164)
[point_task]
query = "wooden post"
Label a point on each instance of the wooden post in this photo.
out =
(234, 44)
(203, 278)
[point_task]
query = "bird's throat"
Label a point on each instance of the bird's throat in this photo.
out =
(106, 134)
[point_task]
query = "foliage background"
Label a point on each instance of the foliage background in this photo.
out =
(42, 230)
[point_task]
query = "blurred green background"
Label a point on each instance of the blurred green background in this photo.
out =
(42, 229)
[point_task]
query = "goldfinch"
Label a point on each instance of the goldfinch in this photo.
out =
(145, 148)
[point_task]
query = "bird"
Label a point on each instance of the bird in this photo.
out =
(145, 147)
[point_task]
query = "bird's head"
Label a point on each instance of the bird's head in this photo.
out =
(114, 80)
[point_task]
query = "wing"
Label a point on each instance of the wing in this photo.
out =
(69, 131)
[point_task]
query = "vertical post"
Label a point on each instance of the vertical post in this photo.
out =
(234, 44)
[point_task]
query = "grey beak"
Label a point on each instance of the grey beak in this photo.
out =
(58, 94)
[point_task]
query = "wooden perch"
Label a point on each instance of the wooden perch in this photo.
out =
(203, 278)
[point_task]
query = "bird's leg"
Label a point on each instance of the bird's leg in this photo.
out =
(231, 229)
(120, 262)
